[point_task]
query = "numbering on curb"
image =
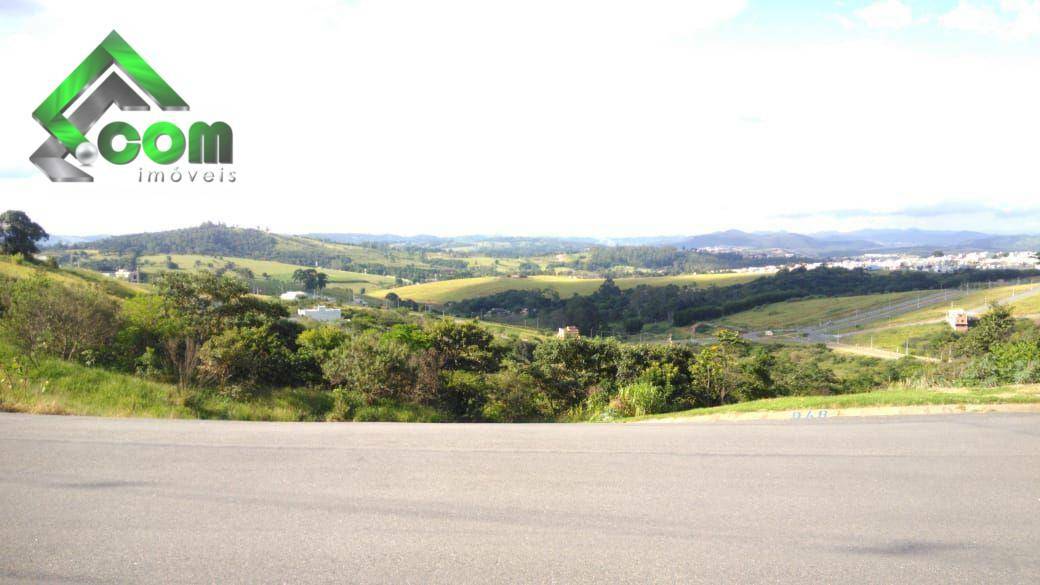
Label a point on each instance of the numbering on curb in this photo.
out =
(809, 414)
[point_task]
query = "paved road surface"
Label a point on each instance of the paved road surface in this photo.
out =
(900, 500)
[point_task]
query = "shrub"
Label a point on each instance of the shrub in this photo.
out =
(246, 358)
(463, 394)
(514, 397)
(641, 398)
(982, 371)
(321, 341)
(373, 367)
(45, 318)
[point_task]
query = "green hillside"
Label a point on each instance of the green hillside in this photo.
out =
(12, 268)
(468, 288)
(810, 311)
(220, 241)
(273, 270)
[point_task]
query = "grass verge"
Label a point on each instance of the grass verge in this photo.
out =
(52, 386)
(1027, 394)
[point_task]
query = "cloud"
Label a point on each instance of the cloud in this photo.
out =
(938, 210)
(1010, 19)
(888, 14)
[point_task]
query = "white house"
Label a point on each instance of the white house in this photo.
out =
(293, 295)
(321, 313)
(124, 274)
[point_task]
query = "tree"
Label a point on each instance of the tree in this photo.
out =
(463, 346)
(716, 373)
(196, 307)
(310, 279)
(19, 234)
(994, 327)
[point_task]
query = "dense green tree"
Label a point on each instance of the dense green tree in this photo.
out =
(310, 279)
(19, 234)
(242, 360)
(716, 374)
(994, 327)
(193, 308)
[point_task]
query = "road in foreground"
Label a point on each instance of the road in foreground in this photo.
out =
(945, 499)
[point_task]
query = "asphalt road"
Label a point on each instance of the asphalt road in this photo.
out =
(951, 499)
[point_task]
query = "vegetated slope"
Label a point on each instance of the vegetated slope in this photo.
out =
(259, 268)
(53, 386)
(917, 339)
(469, 288)
(610, 306)
(975, 299)
(11, 268)
(789, 314)
(218, 240)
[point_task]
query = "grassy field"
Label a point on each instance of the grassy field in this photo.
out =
(810, 311)
(466, 288)
(974, 300)
(515, 331)
(897, 338)
(1029, 394)
(68, 276)
(275, 270)
(358, 254)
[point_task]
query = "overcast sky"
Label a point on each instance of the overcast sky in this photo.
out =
(556, 117)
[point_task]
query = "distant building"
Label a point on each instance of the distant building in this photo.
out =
(960, 320)
(293, 295)
(568, 332)
(127, 275)
(321, 313)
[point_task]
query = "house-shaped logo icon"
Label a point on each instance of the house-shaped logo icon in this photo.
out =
(67, 133)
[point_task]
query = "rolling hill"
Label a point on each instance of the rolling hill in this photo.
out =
(467, 288)
(261, 269)
(221, 241)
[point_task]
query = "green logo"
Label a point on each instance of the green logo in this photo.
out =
(206, 143)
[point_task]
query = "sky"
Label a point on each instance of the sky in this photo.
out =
(599, 118)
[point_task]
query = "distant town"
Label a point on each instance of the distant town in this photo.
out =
(935, 262)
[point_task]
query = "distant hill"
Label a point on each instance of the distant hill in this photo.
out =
(207, 239)
(57, 240)
(827, 244)
(211, 239)
(421, 256)
(1005, 243)
(791, 242)
(492, 245)
(906, 238)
